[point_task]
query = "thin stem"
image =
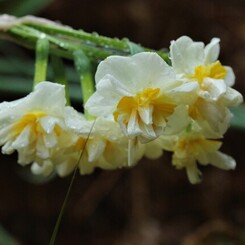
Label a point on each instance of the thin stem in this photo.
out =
(64, 40)
(87, 83)
(91, 38)
(41, 63)
(65, 47)
(83, 67)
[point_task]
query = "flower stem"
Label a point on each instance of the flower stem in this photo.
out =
(64, 40)
(41, 63)
(83, 67)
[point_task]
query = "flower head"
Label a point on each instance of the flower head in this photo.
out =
(142, 94)
(195, 62)
(99, 144)
(34, 126)
(191, 147)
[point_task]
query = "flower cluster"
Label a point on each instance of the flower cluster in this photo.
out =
(142, 106)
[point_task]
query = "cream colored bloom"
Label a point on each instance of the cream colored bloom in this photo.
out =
(194, 62)
(100, 144)
(191, 147)
(34, 126)
(142, 94)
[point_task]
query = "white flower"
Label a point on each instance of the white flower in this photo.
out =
(142, 94)
(100, 144)
(194, 62)
(34, 126)
(191, 147)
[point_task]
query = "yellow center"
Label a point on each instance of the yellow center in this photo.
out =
(214, 70)
(79, 145)
(29, 119)
(32, 119)
(163, 106)
(194, 146)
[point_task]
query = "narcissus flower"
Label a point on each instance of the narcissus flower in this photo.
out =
(142, 94)
(35, 126)
(194, 62)
(197, 62)
(100, 144)
(191, 147)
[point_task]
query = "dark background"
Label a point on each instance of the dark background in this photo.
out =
(152, 203)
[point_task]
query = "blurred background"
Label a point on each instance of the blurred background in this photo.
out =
(153, 203)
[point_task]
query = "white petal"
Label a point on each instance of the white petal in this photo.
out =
(214, 87)
(5, 134)
(73, 119)
(26, 156)
(46, 97)
(146, 114)
(67, 166)
(23, 139)
(104, 101)
(152, 71)
(48, 123)
(222, 161)
(145, 68)
(215, 119)
(148, 133)
(186, 54)
(50, 140)
(8, 148)
(177, 121)
(45, 169)
(95, 149)
(193, 173)
(41, 150)
(231, 98)
(133, 128)
(49, 97)
(86, 167)
(185, 93)
(120, 67)
(230, 76)
(211, 51)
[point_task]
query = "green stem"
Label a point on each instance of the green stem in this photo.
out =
(41, 63)
(93, 38)
(59, 45)
(64, 40)
(87, 82)
(83, 67)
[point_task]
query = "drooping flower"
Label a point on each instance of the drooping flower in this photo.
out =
(142, 94)
(34, 126)
(190, 148)
(98, 144)
(194, 62)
